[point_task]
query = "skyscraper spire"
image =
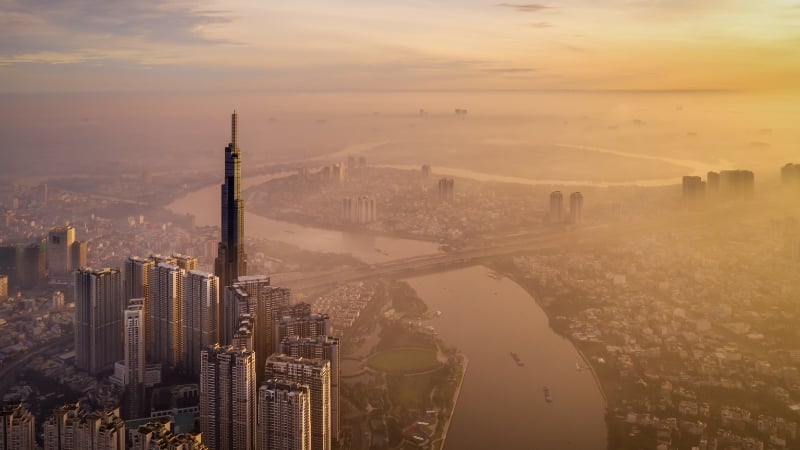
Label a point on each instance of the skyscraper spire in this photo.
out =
(235, 131)
(231, 259)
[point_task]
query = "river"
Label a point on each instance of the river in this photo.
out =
(696, 168)
(204, 204)
(486, 317)
(502, 405)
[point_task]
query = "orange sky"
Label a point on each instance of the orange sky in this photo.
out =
(75, 45)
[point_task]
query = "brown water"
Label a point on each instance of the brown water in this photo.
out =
(204, 204)
(502, 405)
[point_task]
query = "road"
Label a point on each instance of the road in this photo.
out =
(9, 371)
(547, 239)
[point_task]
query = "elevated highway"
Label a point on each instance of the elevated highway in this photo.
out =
(439, 262)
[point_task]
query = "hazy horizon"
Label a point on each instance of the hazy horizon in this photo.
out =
(553, 224)
(114, 131)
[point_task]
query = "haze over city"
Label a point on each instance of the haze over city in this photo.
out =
(430, 224)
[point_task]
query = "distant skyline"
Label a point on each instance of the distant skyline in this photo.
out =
(319, 45)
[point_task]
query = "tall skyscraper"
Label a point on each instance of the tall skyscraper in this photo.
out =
(231, 259)
(166, 291)
(556, 207)
(98, 319)
(264, 301)
(137, 285)
(135, 358)
(16, 427)
(447, 189)
(200, 315)
(59, 250)
(319, 347)
(316, 373)
(284, 416)
(228, 398)
(137, 277)
(576, 207)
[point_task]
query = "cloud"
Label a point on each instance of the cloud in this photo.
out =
(524, 7)
(510, 70)
(99, 28)
(540, 25)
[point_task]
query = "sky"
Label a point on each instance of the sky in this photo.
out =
(355, 45)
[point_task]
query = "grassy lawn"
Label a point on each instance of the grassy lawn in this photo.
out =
(404, 360)
(412, 391)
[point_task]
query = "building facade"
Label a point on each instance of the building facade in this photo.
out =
(254, 295)
(135, 363)
(137, 285)
(200, 315)
(69, 427)
(360, 210)
(284, 416)
(447, 189)
(16, 427)
(325, 348)
(316, 373)
(576, 208)
(228, 398)
(59, 250)
(78, 254)
(98, 319)
(556, 207)
(298, 320)
(166, 291)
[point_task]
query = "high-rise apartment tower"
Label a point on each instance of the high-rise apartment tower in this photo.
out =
(98, 319)
(228, 398)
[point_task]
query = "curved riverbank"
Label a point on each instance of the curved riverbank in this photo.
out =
(500, 405)
(446, 427)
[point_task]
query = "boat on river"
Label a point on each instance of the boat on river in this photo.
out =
(547, 396)
(517, 359)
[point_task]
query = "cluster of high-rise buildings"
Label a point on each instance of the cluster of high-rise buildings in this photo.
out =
(28, 264)
(732, 183)
(268, 371)
(556, 210)
(334, 173)
(359, 210)
(446, 189)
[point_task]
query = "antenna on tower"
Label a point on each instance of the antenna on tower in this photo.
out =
(234, 130)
